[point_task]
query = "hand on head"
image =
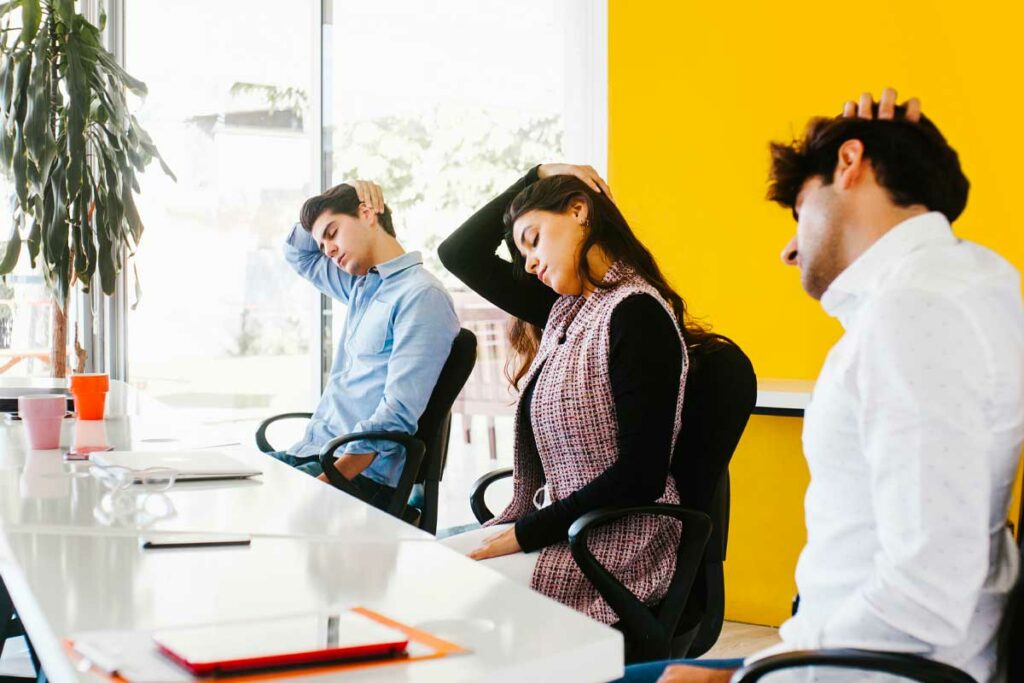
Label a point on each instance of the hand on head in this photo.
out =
(587, 174)
(864, 107)
(369, 193)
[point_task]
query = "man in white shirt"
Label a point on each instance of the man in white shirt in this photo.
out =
(916, 424)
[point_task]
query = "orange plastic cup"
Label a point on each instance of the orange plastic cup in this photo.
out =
(90, 394)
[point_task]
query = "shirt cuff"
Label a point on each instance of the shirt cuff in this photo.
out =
(382, 448)
(301, 240)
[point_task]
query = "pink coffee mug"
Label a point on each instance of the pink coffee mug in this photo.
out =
(43, 415)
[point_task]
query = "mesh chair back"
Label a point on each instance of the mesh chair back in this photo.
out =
(435, 422)
(1011, 636)
(721, 390)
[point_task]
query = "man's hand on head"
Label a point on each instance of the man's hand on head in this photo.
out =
(864, 107)
(369, 193)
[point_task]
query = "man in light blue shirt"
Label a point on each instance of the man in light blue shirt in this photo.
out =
(397, 335)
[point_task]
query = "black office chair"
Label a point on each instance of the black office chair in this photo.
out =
(910, 667)
(11, 627)
(426, 452)
(721, 390)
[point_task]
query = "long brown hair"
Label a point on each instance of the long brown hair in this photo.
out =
(606, 228)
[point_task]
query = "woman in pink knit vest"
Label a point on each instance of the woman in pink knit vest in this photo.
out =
(602, 341)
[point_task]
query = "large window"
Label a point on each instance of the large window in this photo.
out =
(223, 323)
(446, 103)
(257, 105)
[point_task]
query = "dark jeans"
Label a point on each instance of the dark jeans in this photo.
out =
(649, 672)
(377, 495)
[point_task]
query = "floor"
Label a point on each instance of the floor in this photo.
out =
(466, 463)
(740, 640)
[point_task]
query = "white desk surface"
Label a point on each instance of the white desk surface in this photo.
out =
(313, 548)
(40, 492)
(68, 583)
(784, 394)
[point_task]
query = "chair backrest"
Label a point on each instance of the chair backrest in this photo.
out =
(435, 421)
(1011, 631)
(721, 391)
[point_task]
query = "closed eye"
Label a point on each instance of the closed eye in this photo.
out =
(323, 245)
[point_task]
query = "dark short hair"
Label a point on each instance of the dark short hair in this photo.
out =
(339, 199)
(912, 161)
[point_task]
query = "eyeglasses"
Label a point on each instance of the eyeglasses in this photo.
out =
(133, 509)
(151, 479)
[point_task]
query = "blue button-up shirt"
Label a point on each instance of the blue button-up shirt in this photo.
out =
(397, 335)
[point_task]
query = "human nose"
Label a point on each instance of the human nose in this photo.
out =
(790, 253)
(531, 264)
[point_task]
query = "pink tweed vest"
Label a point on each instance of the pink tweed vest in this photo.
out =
(575, 429)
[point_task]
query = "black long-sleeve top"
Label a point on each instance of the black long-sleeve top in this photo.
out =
(644, 364)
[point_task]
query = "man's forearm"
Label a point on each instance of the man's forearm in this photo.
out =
(352, 464)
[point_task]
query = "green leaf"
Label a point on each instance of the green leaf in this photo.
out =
(82, 233)
(89, 240)
(132, 214)
(136, 86)
(105, 256)
(34, 242)
(19, 165)
(37, 117)
(15, 109)
(78, 106)
(6, 148)
(30, 16)
(6, 81)
(55, 233)
(65, 11)
(138, 285)
(11, 252)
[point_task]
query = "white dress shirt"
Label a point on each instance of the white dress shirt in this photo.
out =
(912, 439)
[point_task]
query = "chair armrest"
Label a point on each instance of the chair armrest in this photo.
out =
(261, 431)
(637, 617)
(910, 667)
(476, 493)
(415, 451)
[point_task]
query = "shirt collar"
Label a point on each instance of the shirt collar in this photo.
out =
(397, 265)
(864, 274)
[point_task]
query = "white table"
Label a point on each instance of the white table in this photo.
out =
(39, 492)
(784, 397)
(68, 583)
(313, 548)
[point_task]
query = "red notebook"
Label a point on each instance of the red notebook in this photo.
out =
(263, 644)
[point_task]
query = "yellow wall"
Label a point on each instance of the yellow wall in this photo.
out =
(697, 89)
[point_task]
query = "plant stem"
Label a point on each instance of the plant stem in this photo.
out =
(59, 341)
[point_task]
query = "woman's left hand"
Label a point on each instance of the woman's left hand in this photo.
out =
(501, 543)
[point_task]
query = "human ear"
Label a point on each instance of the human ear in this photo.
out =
(580, 212)
(850, 164)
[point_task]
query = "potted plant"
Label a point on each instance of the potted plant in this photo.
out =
(72, 149)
